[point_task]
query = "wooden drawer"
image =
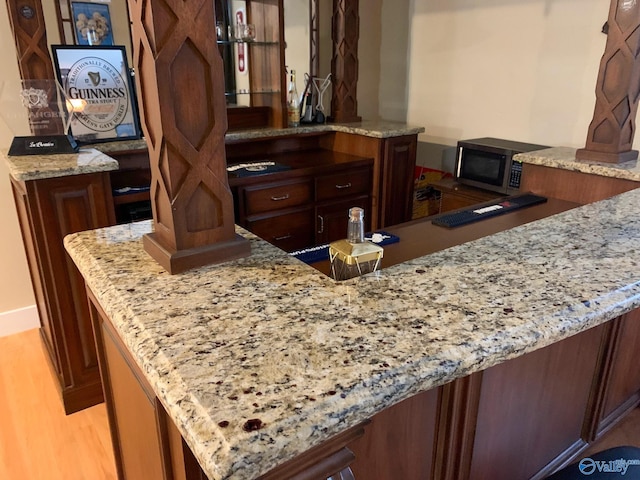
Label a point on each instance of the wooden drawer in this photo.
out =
(290, 231)
(343, 184)
(276, 196)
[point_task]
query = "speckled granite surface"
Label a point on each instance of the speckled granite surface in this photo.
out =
(35, 167)
(565, 158)
(269, 338)
(376, 129)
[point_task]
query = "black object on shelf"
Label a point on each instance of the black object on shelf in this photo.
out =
(464, 217)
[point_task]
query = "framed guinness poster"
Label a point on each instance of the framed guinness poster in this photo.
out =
(97, 84)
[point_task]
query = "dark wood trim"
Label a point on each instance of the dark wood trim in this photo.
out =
(333, 454)
(458, 413)
(601, 378)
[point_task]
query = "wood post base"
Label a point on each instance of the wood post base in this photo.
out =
(177, 261)
(587, 155)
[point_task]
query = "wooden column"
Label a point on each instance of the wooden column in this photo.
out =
(612, 128)
(29, 32)
(345, 30)
(314, 38)
(180, 80)
(34, 63)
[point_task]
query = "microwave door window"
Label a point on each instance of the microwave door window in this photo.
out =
(483, 167)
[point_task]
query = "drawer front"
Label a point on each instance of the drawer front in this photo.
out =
(343, 184)
(291, 231)
(275, 196)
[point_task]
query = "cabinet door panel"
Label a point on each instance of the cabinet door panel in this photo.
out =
(332, 218)
(397, 189)
(353, 182)
(624, 382)
(270, 196)
(290, 231)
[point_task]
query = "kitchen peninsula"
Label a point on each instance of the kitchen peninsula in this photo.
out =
(60, 194)
(259, 360)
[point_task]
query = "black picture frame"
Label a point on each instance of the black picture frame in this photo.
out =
(100, 94)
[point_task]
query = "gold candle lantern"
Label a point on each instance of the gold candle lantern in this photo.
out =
(350, 260)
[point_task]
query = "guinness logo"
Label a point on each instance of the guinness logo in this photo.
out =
(94, 77)
(101, 88)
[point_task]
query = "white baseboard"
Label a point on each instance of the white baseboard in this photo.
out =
(19, 320)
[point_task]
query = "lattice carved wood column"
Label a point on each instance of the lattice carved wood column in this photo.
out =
(180, 80)
(345, 31)
(30, 36)
(611, 132)
(314, 38)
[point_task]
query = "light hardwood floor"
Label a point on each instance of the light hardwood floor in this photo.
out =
(39, 442)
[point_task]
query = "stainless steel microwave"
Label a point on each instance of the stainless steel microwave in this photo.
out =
(488, 163)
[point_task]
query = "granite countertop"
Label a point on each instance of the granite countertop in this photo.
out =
(565, 158)
(35, 167)
(95, 158)
(370, 128)
(268, 337)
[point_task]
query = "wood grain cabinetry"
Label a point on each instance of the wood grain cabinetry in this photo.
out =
(304, 206)
(394, 160)
(48, 210)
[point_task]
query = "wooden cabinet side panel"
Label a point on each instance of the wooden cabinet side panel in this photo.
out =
(67, 205)
(576, 187)
(399, 441)
(397, 179)
(536, 405)
(27, 229)
(623, 389)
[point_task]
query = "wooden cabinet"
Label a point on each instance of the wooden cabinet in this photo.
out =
(454, 195)
(48, 210)
(394, 161)
(307, 205)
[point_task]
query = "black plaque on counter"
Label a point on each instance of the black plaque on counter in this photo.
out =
(43, 145)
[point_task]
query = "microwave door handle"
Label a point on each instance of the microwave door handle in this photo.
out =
(459, 163)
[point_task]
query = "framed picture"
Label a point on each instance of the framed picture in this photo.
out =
(97, 84)
(92, 23)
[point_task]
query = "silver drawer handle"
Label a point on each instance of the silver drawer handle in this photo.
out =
(284, 237)
(321, 224)
(283, 197)
(346, 185)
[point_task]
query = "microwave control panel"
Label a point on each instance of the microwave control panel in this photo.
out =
(516, 174)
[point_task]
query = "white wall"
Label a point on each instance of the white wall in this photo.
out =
(518, 69)
(15, 283)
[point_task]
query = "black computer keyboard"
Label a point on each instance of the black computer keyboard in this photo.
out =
(464, 217)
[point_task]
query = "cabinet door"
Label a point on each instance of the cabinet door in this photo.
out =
(397, 185)
(332, 218)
